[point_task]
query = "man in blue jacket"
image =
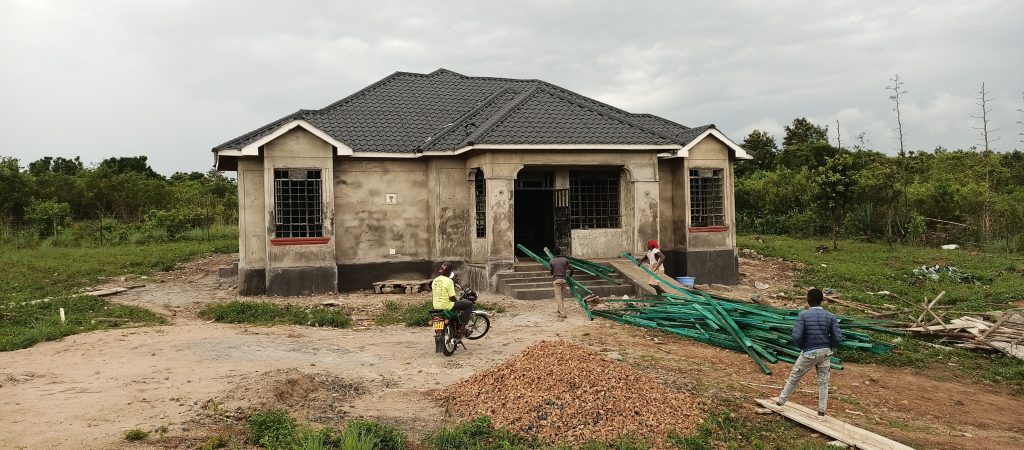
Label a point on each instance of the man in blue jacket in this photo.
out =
(816, 332)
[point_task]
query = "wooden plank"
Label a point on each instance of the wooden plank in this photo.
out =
(834, 428)
(106, 292)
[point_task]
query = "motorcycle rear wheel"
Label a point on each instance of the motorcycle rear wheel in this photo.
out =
(448, 341)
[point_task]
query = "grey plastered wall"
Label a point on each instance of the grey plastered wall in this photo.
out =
(368, 228)
(308, 268)
(710, 153)
(451, 185)
(252, 229)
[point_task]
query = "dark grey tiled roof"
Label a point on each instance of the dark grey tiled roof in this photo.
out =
(443, 110)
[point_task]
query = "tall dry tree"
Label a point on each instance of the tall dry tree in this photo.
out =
(839, 136)
(1021, 122)
(983, 101)
(897, 91)
(985, 111)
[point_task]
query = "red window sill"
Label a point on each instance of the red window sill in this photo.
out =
(300, 241)
(717, 229)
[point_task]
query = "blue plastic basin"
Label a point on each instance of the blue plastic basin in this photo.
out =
(685, 281)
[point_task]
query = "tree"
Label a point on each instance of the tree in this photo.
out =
(50, 216)
(836, 186)
(809, 155)
(126, 165)
(802, 131)
(762, 147)
(15, 188)
(985, 110)
(897, 90)
(1021, 122)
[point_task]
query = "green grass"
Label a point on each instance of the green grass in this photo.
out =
(722, 429)
(31, 274)
(267, 313)
(57, 274)
(478, 434)
(417, 314)
(859, 268)
(411, 315)
(275, 429)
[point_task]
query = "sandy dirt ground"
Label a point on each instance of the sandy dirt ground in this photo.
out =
(197, 377)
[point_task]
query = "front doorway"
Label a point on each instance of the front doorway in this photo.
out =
(541, 212)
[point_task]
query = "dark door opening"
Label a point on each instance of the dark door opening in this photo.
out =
(534, 211)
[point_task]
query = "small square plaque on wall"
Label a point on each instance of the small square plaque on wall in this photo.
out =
(390, 199)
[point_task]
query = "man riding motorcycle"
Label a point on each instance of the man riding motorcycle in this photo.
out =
(445, 297)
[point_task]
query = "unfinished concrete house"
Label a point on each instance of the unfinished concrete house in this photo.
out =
(421, 168)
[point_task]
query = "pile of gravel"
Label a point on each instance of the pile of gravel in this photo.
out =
(560, 392)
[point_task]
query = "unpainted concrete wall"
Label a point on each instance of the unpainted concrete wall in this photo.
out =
(367, 227)
(300, 269)
(710, 153)
(252, 226)
(455, 218)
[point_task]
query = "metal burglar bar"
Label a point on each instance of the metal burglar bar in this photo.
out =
(298, 203)
(594, 199)
(706, 198)
(481, 204)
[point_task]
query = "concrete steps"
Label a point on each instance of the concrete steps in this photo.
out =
(531, 281)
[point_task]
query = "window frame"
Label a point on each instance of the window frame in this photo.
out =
(704, 205)
(587, 209)
(480, 203)
(292, 201)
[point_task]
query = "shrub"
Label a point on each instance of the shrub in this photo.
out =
(271, 429)
(135, 434)
(267, 313)
(215, 442)
(386, 437)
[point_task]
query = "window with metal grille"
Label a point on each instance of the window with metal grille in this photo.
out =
(593, 199)
(298, 203)
(706, 198)
(480, 189)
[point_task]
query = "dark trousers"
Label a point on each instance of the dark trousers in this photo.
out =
(465, 309)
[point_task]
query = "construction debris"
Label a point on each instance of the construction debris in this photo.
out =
(763, 332)
(1005, 335)
(401, 286)
(557, 391)
(936, 272)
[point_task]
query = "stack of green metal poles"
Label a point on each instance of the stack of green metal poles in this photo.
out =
(763, 332)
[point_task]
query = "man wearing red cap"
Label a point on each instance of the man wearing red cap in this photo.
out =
(655, 258)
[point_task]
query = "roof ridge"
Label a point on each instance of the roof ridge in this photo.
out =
(459, 121)
(501, 115)
(624, 120)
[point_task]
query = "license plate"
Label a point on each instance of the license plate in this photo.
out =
(438, 325)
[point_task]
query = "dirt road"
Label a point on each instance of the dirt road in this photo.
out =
(193, 376)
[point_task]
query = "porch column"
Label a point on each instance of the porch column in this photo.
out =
(500, 226)
(646, 198)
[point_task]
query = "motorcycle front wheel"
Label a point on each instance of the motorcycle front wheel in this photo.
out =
(478, 326)
(448, 341)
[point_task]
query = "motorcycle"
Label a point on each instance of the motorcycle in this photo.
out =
(446, 325)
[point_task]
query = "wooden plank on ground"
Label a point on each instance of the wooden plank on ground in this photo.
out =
(106, 292)
(835, 428)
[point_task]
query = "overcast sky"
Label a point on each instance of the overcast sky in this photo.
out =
(170, 79)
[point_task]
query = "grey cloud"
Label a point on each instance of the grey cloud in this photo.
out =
(171, 79)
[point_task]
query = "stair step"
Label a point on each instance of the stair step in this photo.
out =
(549, 292)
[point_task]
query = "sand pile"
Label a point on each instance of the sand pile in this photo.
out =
(561, 392)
